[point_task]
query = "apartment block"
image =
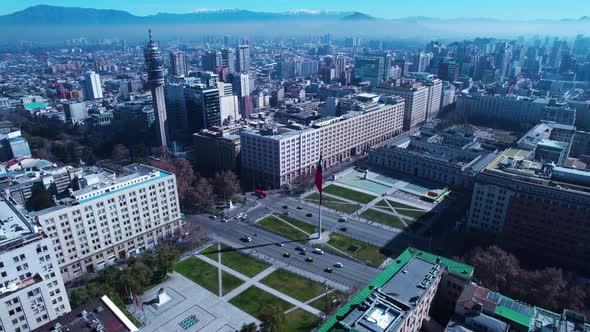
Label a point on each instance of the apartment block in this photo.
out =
(276, 156)
(110, 217)
(32, 291)
(535, 208)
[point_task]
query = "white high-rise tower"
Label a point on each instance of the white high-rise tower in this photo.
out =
(155, 67)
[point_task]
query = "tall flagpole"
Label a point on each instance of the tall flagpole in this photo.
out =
(320, 216)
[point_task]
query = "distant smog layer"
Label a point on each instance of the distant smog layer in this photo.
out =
(374, 29)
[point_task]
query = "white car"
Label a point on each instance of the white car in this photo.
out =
(338, 264)
(244, 216)
(318, 251)
(239, 216)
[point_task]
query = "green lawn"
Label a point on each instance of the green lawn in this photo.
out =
(300, 320)
(308, 228)
(353, 195)
(365, 252)
(273, 224)
(383, 218)
(200, 272)
(229, 282)
(242, 263)
(236, 260)
(333, 203)
(334, 299)
(253, 299)
(210, 252)
(289, 283)
(393, 204)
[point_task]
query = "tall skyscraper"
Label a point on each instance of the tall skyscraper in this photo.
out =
(212, 60)
(203, 108)
(155, 68)
(92, 87)
(178, 65)
(244, 58)
(228, 59)
(369, 68)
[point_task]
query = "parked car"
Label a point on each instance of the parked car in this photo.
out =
(239, 216)
(287, 213)
(309, 215)
(285, 206)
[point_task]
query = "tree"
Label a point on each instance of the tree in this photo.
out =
(120, 152)
(166, 257)
(135, 277)
(185, 176)
(226, 184)
(201, 194)
(272, 318)
(40, 199)
(79, 296)
(249, 327)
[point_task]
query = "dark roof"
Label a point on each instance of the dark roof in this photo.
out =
(96, 310)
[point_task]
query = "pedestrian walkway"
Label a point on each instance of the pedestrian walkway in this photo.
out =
(263, 287)
(249, 283)
(311, 300)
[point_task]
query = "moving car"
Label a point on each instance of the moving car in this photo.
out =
(343, 219)
(338, 264)
(239, 216)
(285, 206)
(260, 193)
(286, 254)
(318, 251)
(246, 239)
(344, 229)
(309, 215)
(299, 207)
(309, 259)
(287, 213)
(299, 248)
(328, 269)
(280, 244)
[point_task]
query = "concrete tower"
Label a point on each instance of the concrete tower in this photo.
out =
(155, 67)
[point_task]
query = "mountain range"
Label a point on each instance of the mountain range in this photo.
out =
(57, 15)
(46, 14)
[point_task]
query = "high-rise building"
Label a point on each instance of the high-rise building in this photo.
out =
(416, 102)
(202, 106)
(520, 200)
(31, 284)
(369, 68)
(111, 217)
(92, 86)
(448, 70)
(422, 61)
(176, 112)
(178, 64)
(228, 59)
(155, 68)
(277, 156)
(243, 59)
(212, 60)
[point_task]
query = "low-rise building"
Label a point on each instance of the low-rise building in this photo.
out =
(215, 151)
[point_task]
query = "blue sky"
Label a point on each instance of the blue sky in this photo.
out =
(502, 9)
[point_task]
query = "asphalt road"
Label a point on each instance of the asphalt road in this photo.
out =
(265, 242)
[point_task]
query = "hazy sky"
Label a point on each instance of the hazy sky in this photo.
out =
(502, 9)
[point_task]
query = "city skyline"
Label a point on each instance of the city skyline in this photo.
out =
(502, 9)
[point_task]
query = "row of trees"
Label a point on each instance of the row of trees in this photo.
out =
(141, 272)
(195, 191)
(549, 288)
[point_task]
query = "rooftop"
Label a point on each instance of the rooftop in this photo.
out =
(13, 225)
(456, 268)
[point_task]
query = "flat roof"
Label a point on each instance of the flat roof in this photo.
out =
(456, 268)
(13, 224)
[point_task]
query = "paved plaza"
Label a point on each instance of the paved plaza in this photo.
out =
(191, 308)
